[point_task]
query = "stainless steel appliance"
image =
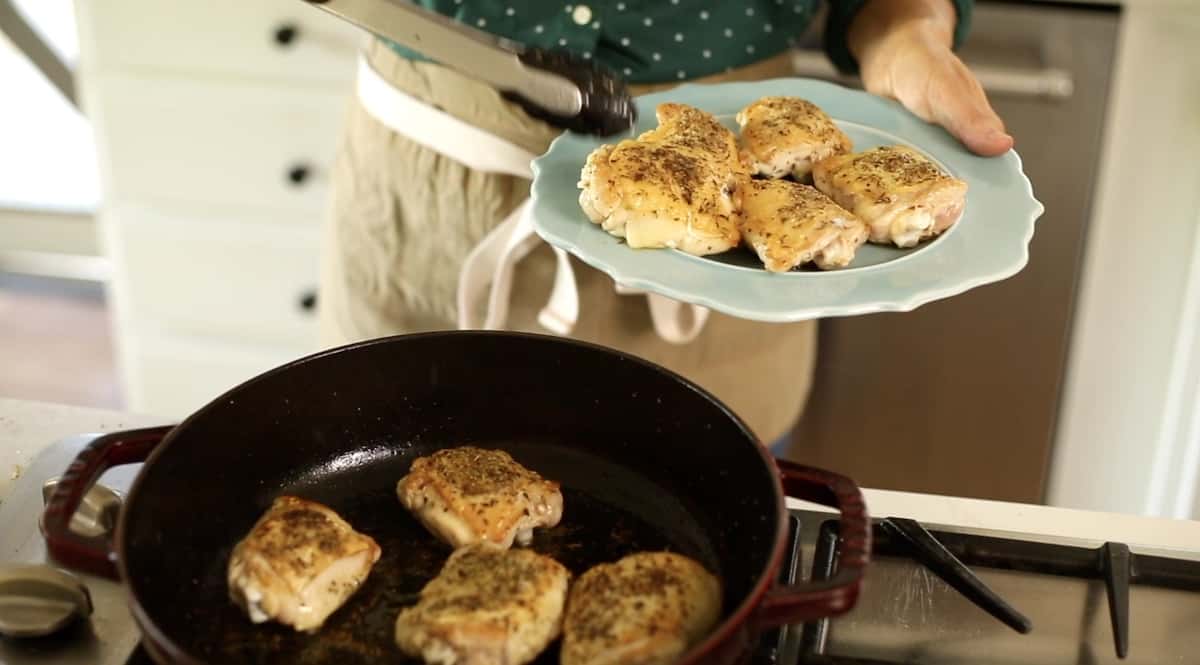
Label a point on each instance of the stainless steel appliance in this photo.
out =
(961, 396)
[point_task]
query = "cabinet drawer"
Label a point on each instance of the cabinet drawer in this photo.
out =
(232, 278)
(172, 376)
(275, 39)
(242, 144)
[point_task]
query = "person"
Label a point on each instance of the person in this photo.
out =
(414, 195)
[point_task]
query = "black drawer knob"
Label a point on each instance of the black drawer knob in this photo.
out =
(286, 34)
(299, 174)
(308, 300)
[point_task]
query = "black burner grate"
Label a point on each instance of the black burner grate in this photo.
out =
(948, 555)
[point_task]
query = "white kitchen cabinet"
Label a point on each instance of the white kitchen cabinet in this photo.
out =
(196, 142)
(178, 374)
(278, 40)
(216, 125)
(221, 275)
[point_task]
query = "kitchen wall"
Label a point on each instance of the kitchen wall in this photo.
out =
(49, 186)
(41, 130)
(55, 333)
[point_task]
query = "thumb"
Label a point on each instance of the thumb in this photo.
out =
(960, 105)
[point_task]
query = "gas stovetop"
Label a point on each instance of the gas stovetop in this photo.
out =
(940, 597)
(935, 596)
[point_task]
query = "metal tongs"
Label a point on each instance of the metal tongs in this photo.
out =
(561, 88)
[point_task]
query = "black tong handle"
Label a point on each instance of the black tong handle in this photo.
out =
(607, 106)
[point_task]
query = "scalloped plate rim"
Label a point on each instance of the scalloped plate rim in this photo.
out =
(1007, 264)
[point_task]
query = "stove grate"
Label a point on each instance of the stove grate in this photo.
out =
(948, 555)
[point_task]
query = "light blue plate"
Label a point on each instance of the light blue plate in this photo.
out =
(988, 244)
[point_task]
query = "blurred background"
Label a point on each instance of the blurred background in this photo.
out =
(163, 177)
(56, 340)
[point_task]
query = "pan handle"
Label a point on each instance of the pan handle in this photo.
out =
(813, 600)
(92, 554)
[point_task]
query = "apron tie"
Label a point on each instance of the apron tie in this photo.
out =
(489, 266)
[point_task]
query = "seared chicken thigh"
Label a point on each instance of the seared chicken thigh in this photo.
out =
(788, 224)
(467, 495)
(785, 135)
(298, 564)
(487, 606)
(646, 609)
(673, 186)
(902, 196)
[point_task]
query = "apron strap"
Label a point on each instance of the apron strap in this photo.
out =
(490, 263)
(670, 317)
(562, 311)
(437, 130)
(489, 266)
(672, 321)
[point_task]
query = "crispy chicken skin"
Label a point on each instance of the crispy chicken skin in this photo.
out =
(788, 225)
(467, 495)
(487, 606)
(674, 186)
(783, 135)
(298, 564)
(903, 197)
(646, 609)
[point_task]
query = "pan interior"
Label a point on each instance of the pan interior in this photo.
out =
(609, 511)
(646, 462)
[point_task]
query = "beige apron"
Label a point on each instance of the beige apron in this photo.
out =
(420, 220)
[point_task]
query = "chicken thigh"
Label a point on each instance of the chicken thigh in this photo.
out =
(298, 564)
(674, 186)
(788, 224)
(646, 609)
(783, 135)
(902, 196)
(467, 495)
(487, 606)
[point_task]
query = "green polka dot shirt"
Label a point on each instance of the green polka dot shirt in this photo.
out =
(652, 41)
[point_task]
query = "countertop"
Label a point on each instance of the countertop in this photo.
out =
(28, 427)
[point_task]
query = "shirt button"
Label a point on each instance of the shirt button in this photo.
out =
(582, 15)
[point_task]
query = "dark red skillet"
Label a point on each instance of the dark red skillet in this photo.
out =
(647, 460)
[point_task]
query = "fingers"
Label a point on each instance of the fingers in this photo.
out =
(931, 81)
(959, 103)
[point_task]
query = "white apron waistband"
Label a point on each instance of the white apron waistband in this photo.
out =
(489, 267)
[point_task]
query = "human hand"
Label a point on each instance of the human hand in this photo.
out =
(903, 48)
